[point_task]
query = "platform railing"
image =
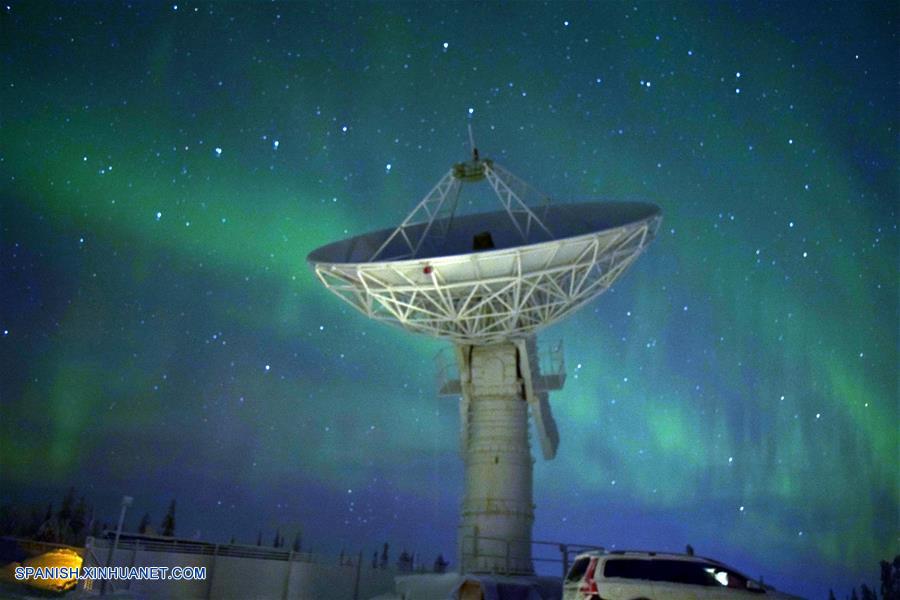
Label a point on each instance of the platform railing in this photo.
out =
(447, 375)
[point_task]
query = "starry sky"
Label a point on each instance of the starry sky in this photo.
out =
(166, 168)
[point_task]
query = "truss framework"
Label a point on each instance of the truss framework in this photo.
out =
(522, 217)
(433, 207)
(432, 218)
(454, 299)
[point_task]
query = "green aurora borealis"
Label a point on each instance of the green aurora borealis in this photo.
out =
(163, 337)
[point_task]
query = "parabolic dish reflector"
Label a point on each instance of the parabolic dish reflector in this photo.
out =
(449, 289)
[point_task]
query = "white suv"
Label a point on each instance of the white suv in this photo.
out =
(624, 575)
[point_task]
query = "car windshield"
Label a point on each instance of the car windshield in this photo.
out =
(578, 569)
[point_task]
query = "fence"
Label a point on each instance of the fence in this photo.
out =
(473, 549)
(243, 571)
(237, 571)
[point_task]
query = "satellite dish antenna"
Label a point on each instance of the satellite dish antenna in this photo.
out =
(487, 283)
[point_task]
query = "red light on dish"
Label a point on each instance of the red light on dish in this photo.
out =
(428, 269)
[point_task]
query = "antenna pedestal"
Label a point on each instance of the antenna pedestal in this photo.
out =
(497, 509)
(499, 385)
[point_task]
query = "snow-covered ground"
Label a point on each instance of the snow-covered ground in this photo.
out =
(492, 587)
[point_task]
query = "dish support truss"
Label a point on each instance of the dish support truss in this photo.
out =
(490, 297)
(432, 218)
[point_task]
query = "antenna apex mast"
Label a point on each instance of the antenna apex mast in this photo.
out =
(471, 170)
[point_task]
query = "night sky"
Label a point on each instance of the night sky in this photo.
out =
(165, 169)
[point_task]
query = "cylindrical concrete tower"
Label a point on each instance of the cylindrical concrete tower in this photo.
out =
(497, 509)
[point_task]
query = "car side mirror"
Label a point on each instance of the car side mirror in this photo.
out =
(754, 586)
